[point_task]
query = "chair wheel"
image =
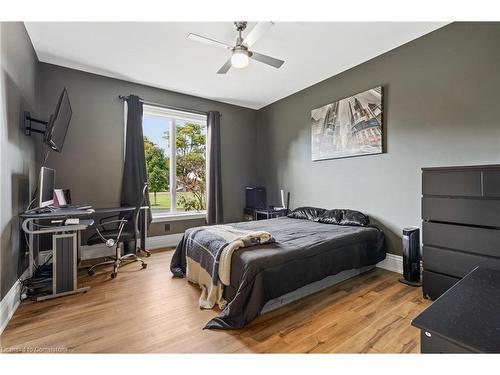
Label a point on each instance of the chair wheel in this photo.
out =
(148, 255)
(91, 272)
(144, 265)
(113, 275)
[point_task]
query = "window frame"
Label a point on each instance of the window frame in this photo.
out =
(173, 116)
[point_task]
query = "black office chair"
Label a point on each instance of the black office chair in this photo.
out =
(115, 232)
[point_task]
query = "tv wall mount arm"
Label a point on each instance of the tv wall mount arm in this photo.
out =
(28, 120)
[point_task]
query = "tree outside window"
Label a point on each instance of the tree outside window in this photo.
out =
(190, 162)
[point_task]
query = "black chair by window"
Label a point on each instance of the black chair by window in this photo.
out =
(113, 231)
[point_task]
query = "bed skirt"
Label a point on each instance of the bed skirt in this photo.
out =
(312, 288)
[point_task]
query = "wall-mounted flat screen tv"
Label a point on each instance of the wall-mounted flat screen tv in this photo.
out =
(58, 124)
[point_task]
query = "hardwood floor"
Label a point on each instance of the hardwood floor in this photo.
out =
(144, 311)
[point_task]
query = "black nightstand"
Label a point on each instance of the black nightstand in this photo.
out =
(263, 213)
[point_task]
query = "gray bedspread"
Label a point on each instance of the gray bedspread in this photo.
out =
(304, 252)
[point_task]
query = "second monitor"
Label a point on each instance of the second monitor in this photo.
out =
(46, 188)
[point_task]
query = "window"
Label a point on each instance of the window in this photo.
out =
(174, 145)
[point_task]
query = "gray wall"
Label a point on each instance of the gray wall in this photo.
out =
(442, 94)
(18, 156)
(92, 159)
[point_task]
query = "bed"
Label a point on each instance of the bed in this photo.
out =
(306, 256)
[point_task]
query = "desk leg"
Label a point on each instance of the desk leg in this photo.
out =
(144, 232)
(55, 295)
(64, 266)
(65, 254)
(31, 239)
(79, 248)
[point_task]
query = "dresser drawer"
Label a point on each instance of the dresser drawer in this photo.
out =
(480, 241)
(491, 183)
(435, 284)
(431, 343)
(452, 183)
(484, 212)
(455, 263)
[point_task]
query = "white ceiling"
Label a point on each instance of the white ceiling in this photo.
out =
(158, 54)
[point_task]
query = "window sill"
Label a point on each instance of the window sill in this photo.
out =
(180, 216)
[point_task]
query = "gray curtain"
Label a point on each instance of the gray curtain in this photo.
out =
(134, 168)
(214, 180)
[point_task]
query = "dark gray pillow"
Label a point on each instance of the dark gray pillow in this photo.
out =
(334, 216)
(308, 213)
(344, 217)
(352, 217)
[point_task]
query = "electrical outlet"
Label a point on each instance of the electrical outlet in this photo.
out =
(167, 227)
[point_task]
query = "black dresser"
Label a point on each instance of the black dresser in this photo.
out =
(460, 224)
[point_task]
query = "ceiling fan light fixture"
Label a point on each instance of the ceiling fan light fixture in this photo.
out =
(240, 55)
(239, 58)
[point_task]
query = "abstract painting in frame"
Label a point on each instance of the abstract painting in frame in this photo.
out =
(348, 127)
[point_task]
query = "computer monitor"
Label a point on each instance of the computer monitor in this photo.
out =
(46, 189)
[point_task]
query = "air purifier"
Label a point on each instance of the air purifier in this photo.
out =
(411, 257)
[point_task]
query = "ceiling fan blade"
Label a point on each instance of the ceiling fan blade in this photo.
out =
(256, 33)
(213, 42)
(267, 59)
(225, 67)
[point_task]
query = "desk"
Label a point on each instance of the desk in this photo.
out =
(66, 241)
(271, 213)
(65, 247)
(466, 318)
(112, 210)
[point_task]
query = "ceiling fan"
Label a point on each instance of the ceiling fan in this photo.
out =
(240, 53)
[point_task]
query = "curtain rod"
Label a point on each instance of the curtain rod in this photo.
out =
(123, 97)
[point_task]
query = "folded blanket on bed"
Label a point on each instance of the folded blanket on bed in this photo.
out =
(208, 258)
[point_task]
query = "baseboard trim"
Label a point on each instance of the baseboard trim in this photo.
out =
(392, 263)
(10, 303)
(169, 240)
(156, 242)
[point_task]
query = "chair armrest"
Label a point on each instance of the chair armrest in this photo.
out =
(122, 220)
(106, 220)
(103, 219)
(110, 241)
